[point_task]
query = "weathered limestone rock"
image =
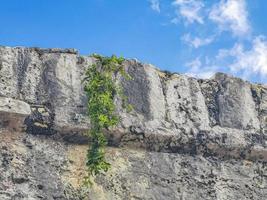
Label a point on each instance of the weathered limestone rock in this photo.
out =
(185, 138)
(45, 77)
(186, 104)
(260, 97)
(236, 105)
(13, 113)
(34, 167)
(16, 107)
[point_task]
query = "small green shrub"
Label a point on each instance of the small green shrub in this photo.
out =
(101, 87)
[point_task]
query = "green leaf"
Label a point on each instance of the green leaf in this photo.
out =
(101, 87)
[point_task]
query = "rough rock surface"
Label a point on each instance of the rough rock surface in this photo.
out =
(185, 139)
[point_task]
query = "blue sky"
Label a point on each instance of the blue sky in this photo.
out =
(197, 37)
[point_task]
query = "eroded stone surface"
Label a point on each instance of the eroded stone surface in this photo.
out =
(185, 138)
(13, 113)
(236, 106)
(16, 107)
(36, 167)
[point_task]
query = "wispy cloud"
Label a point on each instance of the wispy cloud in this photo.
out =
(211, 21)
(238, 60)
(196, 68)
(227, 15)
(231, 15)
(196, 42)
(155, 5)
(248, 62)
(190, 10)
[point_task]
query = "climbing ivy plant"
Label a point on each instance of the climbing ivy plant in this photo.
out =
(101, 87)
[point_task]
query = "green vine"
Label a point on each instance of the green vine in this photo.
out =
(101, 87)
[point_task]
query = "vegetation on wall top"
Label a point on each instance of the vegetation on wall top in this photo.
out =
(101, 87)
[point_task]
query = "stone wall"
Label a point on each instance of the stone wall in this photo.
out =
(185, 139)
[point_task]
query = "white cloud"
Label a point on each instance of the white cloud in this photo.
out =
(240, 61)
(248, 62)
(155, 5)
(196, 42)
(231, 15)
(198, 70)
(190, 10)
